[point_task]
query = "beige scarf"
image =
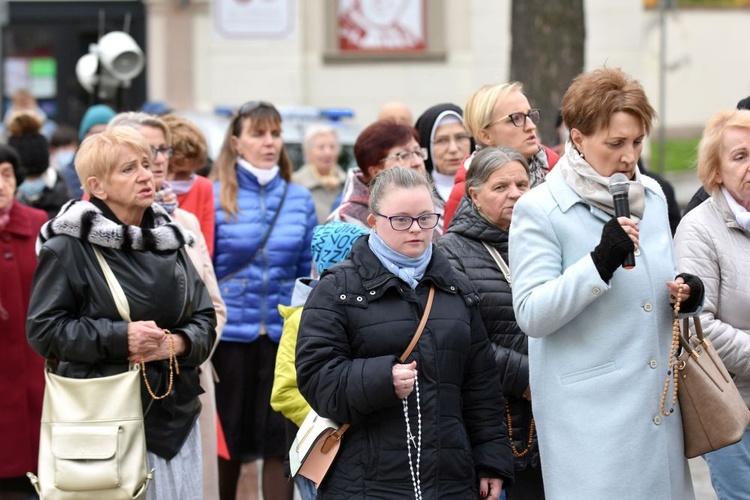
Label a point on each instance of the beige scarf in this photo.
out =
(593, 187)
(331, 180)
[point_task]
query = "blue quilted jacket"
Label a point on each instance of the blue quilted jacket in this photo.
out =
(253, 291)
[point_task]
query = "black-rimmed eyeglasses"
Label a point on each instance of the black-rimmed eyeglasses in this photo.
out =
(166, 152)
(519, 118)
(405, 222)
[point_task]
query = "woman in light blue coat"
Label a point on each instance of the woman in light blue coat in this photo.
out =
(601, 336)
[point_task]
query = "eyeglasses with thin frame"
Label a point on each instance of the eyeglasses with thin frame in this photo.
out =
(405, 156)
(405, 222)
(519, 118)
(445, 141)
(166, 151)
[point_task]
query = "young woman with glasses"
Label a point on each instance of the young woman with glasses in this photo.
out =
(429, 426)
(381, 146)
(500, 115)
(264, 227)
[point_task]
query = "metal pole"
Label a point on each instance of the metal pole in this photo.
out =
(663, 6)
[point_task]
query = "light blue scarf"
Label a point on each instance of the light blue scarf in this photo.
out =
(409, 269)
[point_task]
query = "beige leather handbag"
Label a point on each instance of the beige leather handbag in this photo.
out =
(714, 414)
(92, 443)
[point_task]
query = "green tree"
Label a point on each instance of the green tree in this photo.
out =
(546, 53)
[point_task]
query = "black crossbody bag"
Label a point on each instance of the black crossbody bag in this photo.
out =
(263, 242)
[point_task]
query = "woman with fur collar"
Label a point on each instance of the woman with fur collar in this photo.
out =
(73, 319)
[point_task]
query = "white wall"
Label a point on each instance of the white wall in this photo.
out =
(711, 45)
(293, 72)
(709, 51)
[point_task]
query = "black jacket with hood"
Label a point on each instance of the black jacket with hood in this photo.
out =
(356, 322)
(463, 246)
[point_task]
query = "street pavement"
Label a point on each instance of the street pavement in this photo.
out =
(701, 479)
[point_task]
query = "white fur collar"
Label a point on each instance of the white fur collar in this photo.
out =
(84, 221)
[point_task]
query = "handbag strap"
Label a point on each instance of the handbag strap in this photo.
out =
(121, 300)
(263, 241)
(499, 261)
(336, 435)
(685, 335)
(421, 326)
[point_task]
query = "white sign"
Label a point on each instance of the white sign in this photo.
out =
(270, 19)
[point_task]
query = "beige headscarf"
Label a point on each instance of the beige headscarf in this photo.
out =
(594, 187)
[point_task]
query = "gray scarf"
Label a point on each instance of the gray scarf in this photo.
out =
(593, 187)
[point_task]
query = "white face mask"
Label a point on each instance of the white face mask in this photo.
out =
(62, 159)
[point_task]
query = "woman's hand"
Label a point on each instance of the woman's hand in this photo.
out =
(619, 238)
(143, 336)
(403, 378)
(147, 342)
(673, 286)
(527, 393)
(631, 228)
(490, 488)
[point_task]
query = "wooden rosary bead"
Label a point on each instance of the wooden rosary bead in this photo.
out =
(173, 367)
(673, 363)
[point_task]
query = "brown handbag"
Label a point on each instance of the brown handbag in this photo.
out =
(714, 415)
(318, 439)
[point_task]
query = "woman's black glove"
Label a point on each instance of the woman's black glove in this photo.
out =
(612, 249)
(695, 299)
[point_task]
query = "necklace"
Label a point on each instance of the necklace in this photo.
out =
(513, 448)
(674, 352)
(414, 441)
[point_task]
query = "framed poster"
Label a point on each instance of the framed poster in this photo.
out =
(384, 30)
(381, 25)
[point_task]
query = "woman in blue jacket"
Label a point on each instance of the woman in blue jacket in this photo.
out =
(264, 227)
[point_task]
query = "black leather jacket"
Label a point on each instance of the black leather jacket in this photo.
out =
(73, 319)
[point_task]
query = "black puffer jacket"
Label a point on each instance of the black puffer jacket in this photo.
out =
(356, 322)
(73, 318)
(462, 244)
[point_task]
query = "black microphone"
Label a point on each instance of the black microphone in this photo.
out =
(618, 188)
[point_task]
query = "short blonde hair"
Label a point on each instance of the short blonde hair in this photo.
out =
(479, 109)
(99, 153)
(710, 147)
(188, 141)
